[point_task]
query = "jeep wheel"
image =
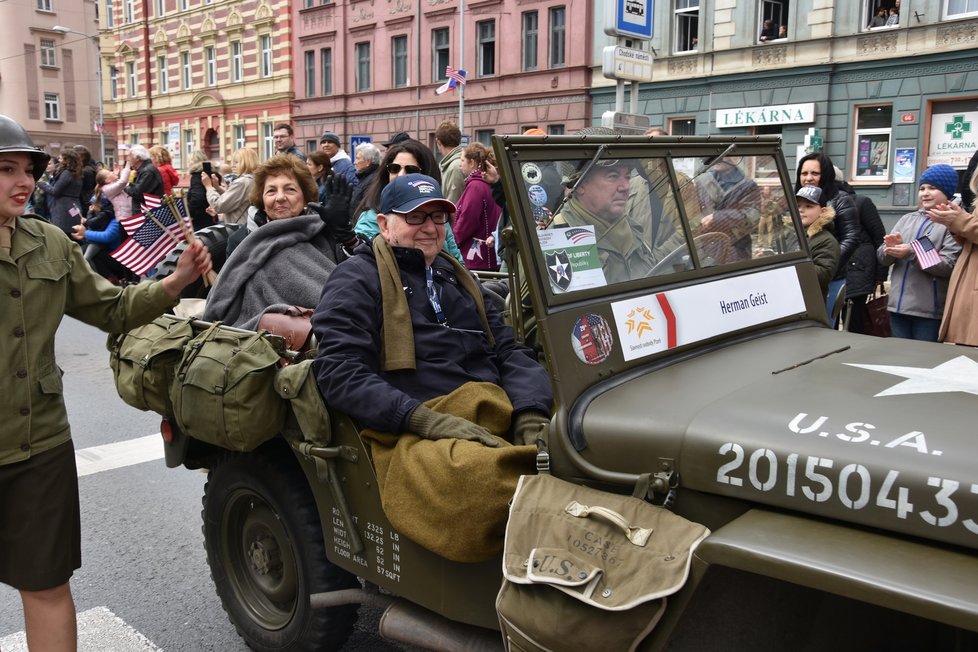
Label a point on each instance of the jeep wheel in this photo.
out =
(215, 238)
(265, 549)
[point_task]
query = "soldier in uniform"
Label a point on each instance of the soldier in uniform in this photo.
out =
(43, 277)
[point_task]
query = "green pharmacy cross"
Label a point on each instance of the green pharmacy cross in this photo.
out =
(957, 127)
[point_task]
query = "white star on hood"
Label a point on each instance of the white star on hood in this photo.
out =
(957, 375)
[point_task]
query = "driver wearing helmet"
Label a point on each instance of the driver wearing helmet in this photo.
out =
(598, 197)
(43, 277)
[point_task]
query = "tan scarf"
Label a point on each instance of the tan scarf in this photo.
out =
(397, 336)
(7, 233)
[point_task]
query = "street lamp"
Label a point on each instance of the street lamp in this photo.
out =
(98, 77)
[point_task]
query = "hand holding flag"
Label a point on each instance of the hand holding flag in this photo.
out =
(927, 255)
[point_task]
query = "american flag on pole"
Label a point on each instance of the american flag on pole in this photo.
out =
(456, 78)
(927, 256)
(148, 243)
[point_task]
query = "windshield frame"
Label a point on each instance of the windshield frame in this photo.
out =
(514, 151)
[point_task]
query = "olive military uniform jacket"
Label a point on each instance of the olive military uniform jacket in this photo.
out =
(45, 277)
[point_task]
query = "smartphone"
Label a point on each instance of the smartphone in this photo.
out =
(207, 168)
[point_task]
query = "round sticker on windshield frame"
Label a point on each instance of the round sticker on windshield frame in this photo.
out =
(592, 339)
(537, 195)
(531, 173)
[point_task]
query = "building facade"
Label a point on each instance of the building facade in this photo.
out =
(369, 68)
(213, 75)
(886, 101)
(48, 80)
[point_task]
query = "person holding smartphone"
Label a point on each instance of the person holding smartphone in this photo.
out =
(197, 193)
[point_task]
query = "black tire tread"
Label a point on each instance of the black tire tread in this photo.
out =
(273, 472)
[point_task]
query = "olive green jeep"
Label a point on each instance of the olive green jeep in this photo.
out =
(669, 289)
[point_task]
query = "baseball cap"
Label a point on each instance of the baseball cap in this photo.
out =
(811, 194)
(329, 136)
(406, 193)
(399, 137)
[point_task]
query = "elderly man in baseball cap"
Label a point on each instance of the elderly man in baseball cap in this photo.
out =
(402, 326)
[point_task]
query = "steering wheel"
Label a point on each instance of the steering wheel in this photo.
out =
(714, 248)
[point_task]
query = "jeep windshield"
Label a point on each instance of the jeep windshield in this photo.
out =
(607, 211)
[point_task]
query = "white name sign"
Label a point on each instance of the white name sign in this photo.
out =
(781, 114)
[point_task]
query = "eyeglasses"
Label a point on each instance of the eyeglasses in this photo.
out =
(417, 218)
(395, 168)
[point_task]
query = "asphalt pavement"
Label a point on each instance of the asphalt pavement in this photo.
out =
(144, 584)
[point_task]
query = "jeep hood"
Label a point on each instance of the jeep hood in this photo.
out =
(880, 432)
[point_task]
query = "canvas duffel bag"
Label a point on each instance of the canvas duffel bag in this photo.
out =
(224, 392)
(144, 362)
(588, 564)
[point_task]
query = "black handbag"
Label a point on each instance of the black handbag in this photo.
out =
(877, 316)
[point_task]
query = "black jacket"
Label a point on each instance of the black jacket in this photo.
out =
(197, 202)
(845, 228)
(148, 181)
(366, 177)
(863, 271)
(348, 322)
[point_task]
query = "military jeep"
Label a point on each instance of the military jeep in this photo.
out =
(835, 471)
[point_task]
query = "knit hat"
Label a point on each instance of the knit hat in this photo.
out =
(943, 177)
(811, 194)
(329, 137)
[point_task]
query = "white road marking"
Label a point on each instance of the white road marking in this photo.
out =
(99, 630)
(120, 454)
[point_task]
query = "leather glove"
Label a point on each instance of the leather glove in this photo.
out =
(429, 424)
(527, 427)
(335, 213)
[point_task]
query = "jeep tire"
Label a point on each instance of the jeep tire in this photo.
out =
(265, 549)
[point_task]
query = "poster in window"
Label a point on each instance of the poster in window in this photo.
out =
(905, 161)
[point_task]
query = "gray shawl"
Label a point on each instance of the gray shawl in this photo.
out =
(283, 263)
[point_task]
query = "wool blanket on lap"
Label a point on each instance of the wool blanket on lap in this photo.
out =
(452, 495)
(283, 263)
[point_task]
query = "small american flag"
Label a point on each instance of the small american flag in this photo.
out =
(148, 243)
(458, 76)
(927, 256)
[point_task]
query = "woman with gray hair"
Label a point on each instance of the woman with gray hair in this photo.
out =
(144, 179)
(366, 159)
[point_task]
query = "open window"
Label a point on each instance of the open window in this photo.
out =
(773, 21)
(881, 14)
(687, 26)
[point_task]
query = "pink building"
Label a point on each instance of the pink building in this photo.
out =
(364, 68)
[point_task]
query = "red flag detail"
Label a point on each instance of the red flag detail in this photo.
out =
(927, 256)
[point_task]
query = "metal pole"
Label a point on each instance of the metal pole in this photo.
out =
(461, 65)
(101, 100)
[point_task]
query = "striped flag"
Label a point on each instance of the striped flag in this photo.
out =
(457, 75)
(456, 78)
(927, 256)
(151, 201)
(147, 243)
